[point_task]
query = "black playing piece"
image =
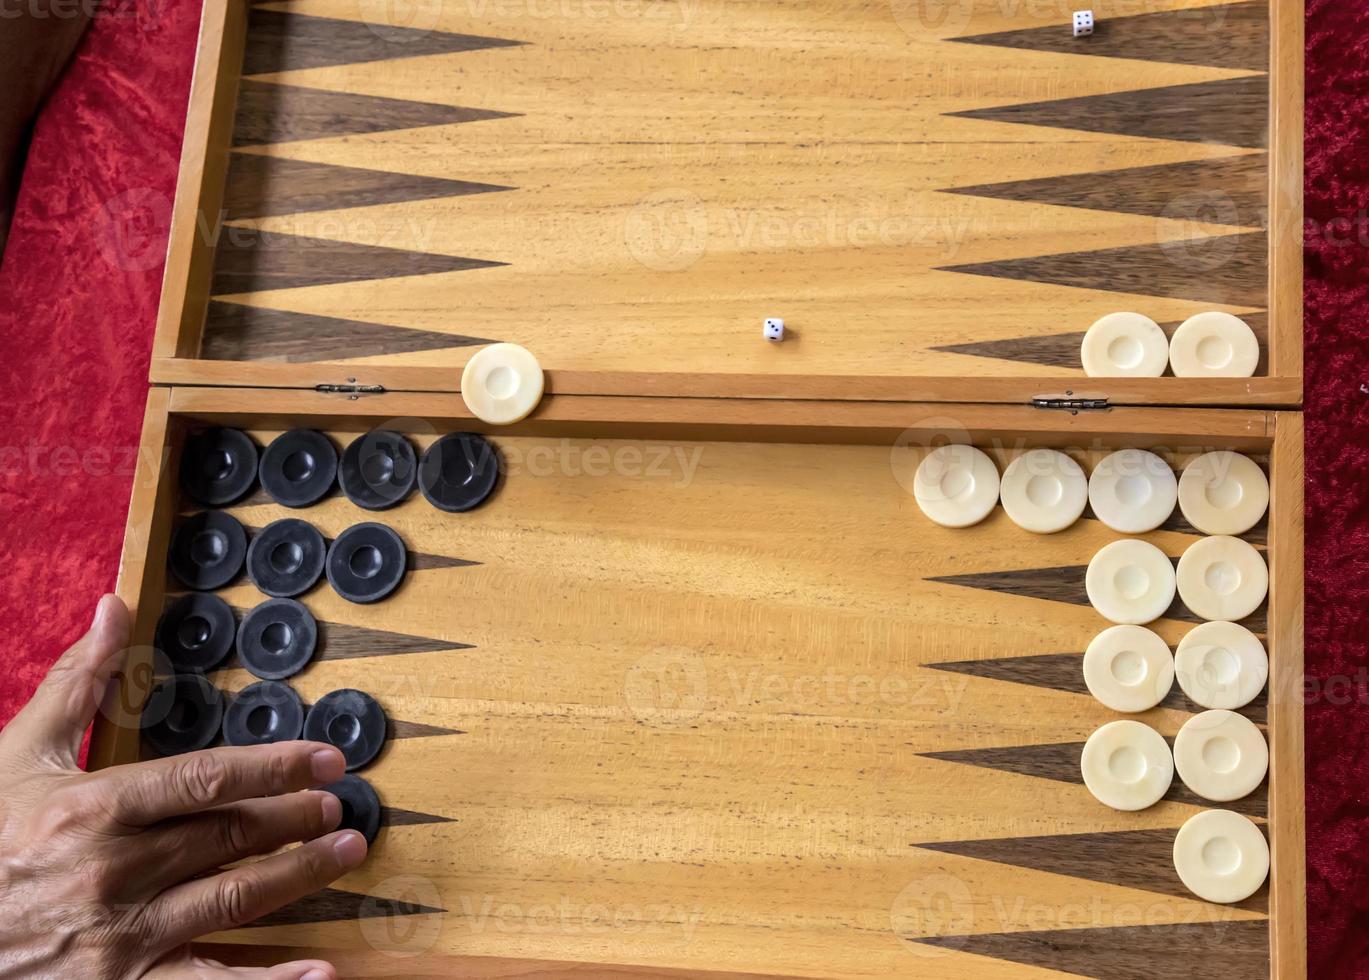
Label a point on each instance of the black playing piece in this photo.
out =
(459, 471)
(267, 711)
(352, 720)
(208, 549)
(182, 714)
(277, 639)
(286, 558)
(378, 470)
(360, 806)
(218, 466)
(196, 633)
(298, 468)
(367, 562)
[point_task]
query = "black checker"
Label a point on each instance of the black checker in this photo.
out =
(459, 472)
(277, 639)
(286, 558)
(299, 468)
(378, 469)
(197, 632)
(218, 466)
(360, 806)
(208, 549)
(350, 719)
(183, 714)
(262, 713)
(367, 562)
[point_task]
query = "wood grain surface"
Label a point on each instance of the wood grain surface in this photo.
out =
(670, 174)
(705, 707)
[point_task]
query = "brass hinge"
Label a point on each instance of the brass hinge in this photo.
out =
(351, 389)
(1069, 404)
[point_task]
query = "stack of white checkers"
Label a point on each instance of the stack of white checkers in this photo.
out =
(1207, 345)
(1220, 665)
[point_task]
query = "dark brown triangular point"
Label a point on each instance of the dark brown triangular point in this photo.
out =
(1060, 761)
(259, 186)
(395, 817)
(336, 905)
(1131, 858)
(1065, 672)
(1232, 35)
(413, 729)
(270, 113)
(1195, 951)
(1224, 269)
(1230, 190)
(1176, 522)
(282, 41)
(1062, 349)
(248, 260)
(424, 562)
(237, 332)
(342, 641)
(1065, 583)
(1231, 111)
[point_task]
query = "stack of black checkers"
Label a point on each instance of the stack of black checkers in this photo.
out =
(279, 637)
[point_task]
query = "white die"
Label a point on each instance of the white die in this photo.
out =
(1083, 23)
(774, 328)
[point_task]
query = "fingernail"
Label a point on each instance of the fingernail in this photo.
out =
(350, 849)
(315, 975)
(101, 611)
(332, 811)
(327, 765)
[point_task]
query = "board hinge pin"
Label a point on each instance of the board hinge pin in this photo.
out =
(1068, 403)
(351, 389)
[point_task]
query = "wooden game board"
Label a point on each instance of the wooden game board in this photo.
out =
(926, 190)
(700, 693)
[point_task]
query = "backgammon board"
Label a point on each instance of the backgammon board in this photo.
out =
(700, 692)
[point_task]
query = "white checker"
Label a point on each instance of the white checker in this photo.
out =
(1222, 578)
(1223, 493)
(1124, 345)
(1127, 765)
(1221, 755)
(502, 384)
(956, 486)
(1133, 491)
(1130, 582)
(1221, 665)
(1214, 345)
(1128, 668)
(1044, 491)
(1221, 856)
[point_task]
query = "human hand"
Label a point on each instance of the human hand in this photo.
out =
(111, 874)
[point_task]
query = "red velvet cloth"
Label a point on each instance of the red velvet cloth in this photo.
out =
(79, 288)
(78, 299)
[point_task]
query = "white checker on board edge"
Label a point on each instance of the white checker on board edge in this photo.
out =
(1044, 491)
(1221, 856)
(502, 384)
(1128, 668)
(1223, 493)
(1220, 755)
(1214, 345)
(1221, 665)
(1127, 765)
(1124, 345)
(1133, 491)
(956, 485)
(1130, 582)
(1222, 578)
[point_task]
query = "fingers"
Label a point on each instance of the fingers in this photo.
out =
(54, 722)
(237, 897)
(189, 846)
(195, 968)
(140, 795)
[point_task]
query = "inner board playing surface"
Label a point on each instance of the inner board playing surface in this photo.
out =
(741, 707)
(917, 187)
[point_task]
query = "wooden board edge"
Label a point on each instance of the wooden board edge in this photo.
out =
(1286, 232)
(196, 211)
(363, 963)
(1287, 899)
(1265, 392)
(769, 420)
(115, 737)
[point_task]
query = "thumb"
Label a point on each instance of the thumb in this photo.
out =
(54, 722)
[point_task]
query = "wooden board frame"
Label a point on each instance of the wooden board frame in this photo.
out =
(199, 202)
(172, 412)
